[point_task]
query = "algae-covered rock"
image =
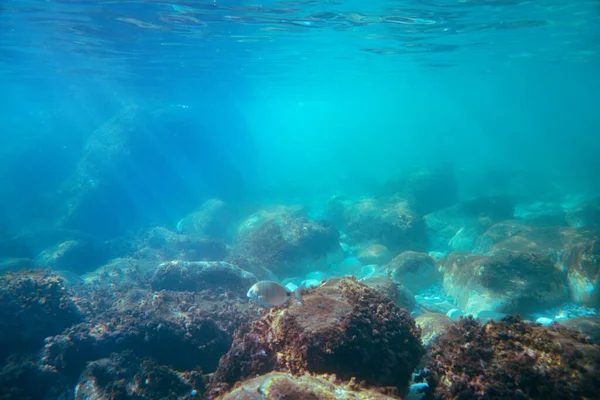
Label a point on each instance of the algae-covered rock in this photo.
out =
(512, 359)
(343, 328)
(414, 270)
(585, 215)
(279, 385)
(399, 294)
(506, 282)
(212, 219)
(457, 228)
(432, 325)
(161, 244)
(390, 221)
(33, 305)
(589, 326)
(374, 254)
(286, 242)
(23, 378)
(202, 275)
(581, 259)
(124, 376)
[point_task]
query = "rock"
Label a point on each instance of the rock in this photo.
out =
(414, 270)
(343, 328)
(15, 264)
(72, 255)
(124, 376)
(503, 283)
(399, 294)
(161, 244)
(33, 305)
(589, 326)
(457, 228)
(541, 213)
(581, 259)
(310, 283)
(585, 215)
(212, 219)
(121, 271)
(279, 385)
(23, 378)
(374, 254)
(498, 233)
(181, 330)
(432, 325)
(286, 242)
(202, 275)
(389, 221)
(427, 189)
(512, 359)
(163, 156)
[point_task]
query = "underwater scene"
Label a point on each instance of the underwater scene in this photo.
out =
(299, 200)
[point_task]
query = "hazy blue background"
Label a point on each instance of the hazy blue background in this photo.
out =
(300, 99)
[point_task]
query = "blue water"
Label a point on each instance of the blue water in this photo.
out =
(119, 116)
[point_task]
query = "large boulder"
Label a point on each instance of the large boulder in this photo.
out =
(427, 189)
(202, 275)
(212, 219)
(585, 215)
(162, 244)
(181, 330)
(581, 259)
(506, 282)
(124, 376)
(343, 328)
(457, 228)
(279, 385)
(33, 306)
(286, 242)
(390, 221)
(416, 271)
(512, 359)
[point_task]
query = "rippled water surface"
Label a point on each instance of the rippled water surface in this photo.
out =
(122, 38)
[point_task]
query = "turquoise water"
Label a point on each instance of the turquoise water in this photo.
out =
(293, 141)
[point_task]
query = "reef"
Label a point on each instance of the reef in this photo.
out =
(212, 219)
(512, 359)
(34, 304)
(279, 385)
(343, 328)
(432, 325)
(284, 240)
(398, 293)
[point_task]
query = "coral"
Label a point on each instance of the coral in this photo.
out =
(512, 359)
(343, 328)
(285, 241)
(34, 304)
(278, 385)
(123, 376)
(202, 275)
(182, 330)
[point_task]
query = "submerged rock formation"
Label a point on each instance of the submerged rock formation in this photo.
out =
(343, 328)
(512, 359)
